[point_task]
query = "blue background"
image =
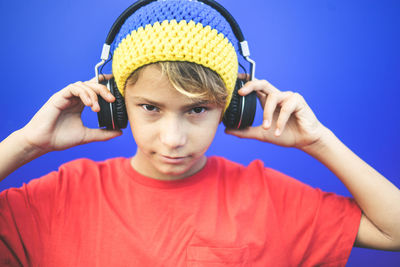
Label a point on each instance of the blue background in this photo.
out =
(342, 56)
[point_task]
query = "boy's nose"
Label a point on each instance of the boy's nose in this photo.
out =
(172, 133)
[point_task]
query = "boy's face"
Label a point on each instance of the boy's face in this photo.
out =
(171, 130)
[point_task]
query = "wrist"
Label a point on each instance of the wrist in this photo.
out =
(15, 152)
(29, 150)
(326, 141)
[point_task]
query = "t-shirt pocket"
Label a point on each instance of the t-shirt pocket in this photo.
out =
(200, 256)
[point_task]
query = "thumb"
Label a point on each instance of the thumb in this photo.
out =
(249, 132)
(94, 135)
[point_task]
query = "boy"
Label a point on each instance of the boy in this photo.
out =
(171, 206)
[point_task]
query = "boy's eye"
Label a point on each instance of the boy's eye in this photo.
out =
(198, 110)
(148, 107)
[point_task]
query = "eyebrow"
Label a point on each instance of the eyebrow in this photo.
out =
(195, 103)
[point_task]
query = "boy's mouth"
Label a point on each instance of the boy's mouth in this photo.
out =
(172, 159)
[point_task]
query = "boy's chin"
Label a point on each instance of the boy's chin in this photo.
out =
(180, 171)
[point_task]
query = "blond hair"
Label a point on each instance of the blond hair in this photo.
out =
(190, 79)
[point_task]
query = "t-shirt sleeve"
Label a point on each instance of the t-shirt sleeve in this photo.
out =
(25, 214)
(319, 227)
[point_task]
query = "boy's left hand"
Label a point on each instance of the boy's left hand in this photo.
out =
(287, 120)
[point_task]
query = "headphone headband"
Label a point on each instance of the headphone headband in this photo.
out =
(135, 6)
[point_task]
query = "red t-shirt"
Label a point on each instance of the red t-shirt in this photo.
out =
(107, 214)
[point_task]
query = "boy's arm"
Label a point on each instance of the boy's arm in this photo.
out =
(56, 126)
(14, 153)
(378, 198)
(289, 121)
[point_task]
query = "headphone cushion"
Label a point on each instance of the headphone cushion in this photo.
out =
(119, 108)
(231, 117)
(249, 110)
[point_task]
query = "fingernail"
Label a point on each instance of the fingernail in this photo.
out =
(277, 132)
(110, 96)
(266, 124)
(243, 89)
(96, 106)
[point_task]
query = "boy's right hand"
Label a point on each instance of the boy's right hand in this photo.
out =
(58, 124)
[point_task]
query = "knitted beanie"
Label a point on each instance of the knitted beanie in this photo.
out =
(176, 30)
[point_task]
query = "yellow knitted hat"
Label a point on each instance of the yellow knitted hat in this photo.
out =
(176, 30)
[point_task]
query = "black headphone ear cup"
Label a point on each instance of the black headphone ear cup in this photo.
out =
(105, 113)
(112, 112)
(249, 110)
(119, 108)
(242, 110)
(232, 114)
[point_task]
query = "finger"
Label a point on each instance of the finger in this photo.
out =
(101, 77)
(76, 91)
(94, 135)
(244, 76)
(273, 99)
(92, 95)
(251, 133)
(257, 85)
(95, 89)
(102, 90)
(262, 98)
(288, 107)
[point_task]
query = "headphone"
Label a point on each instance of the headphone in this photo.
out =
(241, 110)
